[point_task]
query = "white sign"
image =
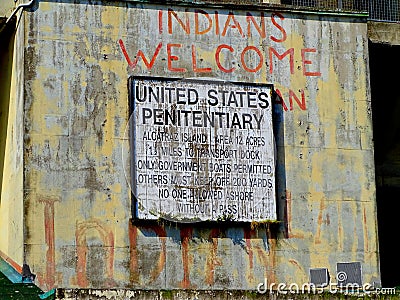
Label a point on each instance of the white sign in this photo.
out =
(202, 150)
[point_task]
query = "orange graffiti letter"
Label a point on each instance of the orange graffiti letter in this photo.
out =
(196, 21)
(173, 58)
(186, 26)
(250, 19)
(217, 59)
(236, 24)
(301, 104)
(194, 62)
(308, 62)
(280, 57)
(280, 28)
(258, 67)
(140, 54)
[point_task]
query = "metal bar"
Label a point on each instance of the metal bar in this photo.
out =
(23, 5)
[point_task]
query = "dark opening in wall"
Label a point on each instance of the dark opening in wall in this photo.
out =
(384, 63)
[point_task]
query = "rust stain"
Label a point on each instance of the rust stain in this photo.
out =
(296, 263)
(288, 217)
(366, 245)
(49, 240)
(133, 254)
(107, 238)
(322, 207)
(160, 231)
(247, 236)
(268, 259)
(212, 259)
(81, 266)
(270, 270)
(186, 233)
(134, 264)
(298, 266)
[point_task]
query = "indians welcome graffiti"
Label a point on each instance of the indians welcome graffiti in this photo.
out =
(197, 41)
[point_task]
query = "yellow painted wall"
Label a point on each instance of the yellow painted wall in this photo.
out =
(11, 145)
(6, 8)
(78, 58)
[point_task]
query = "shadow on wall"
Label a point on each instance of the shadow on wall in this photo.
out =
(386, 125)
(258, 243)
(282, 195)
(6, 59)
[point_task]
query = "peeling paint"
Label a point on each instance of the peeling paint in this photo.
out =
(75, 191)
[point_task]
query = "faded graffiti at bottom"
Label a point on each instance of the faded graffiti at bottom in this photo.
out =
(162, 255)
(190, 247)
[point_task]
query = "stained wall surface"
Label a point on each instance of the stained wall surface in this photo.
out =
(77, 200)
(11, 143)
(6, 7)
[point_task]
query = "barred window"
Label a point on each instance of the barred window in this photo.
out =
(384, 11)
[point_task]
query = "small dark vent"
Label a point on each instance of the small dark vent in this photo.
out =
(348, 274)
(319, 277)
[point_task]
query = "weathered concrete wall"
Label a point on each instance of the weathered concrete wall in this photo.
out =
(78, 58)
(11, 144)
(6, 8)
(115, 294)
(385, 33)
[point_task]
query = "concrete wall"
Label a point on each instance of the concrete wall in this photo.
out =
(114, 294)
(384, 33)
(6, 8)
(11, 144)
(78, 58)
